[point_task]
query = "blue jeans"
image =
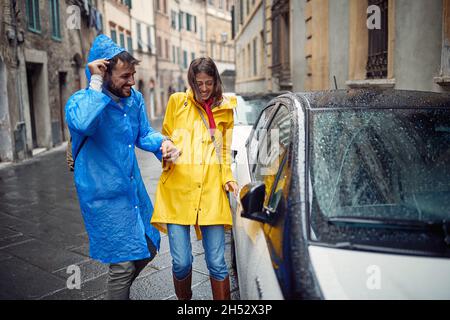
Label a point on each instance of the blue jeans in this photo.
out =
(181, 250)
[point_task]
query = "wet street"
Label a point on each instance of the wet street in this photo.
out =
(42, 234)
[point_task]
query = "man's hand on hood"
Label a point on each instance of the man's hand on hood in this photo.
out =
(98, 67)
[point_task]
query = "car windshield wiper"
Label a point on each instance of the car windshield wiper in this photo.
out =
(397, 224)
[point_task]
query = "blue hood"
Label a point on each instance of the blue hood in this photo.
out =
(102, 48)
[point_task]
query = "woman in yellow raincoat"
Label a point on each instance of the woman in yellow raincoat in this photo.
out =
(193, 191)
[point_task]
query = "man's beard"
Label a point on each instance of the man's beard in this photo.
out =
(115, 90)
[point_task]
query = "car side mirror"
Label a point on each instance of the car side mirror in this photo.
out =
(252, 199)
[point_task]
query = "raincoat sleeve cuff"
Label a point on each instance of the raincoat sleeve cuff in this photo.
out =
(227, 176)
(152, 142)
(96, 83)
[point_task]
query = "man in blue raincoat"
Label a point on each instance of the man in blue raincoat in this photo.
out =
(107, 121)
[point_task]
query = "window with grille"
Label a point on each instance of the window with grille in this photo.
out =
(377, 63)
(281, 40)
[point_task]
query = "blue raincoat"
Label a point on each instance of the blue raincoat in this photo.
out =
(114, 202)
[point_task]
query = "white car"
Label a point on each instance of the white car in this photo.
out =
(346, 196)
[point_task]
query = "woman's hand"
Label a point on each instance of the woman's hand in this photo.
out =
(170, 153)
(232, 186)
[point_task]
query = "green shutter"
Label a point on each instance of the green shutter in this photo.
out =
(130, 45)
(30, 16)
(34, 19)
(56, 28)
(37, 15)
(114, 36)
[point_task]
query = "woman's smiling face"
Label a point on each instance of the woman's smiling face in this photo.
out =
(205, 85)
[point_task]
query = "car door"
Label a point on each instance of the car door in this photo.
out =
(248, 235)
(267, 155)
(273, 168)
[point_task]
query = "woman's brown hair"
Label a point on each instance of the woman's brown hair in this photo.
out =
(207, 66)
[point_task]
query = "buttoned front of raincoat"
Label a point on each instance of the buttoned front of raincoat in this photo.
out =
(114, 202)
(192, 191)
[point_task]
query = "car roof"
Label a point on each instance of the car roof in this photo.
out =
(256, 95)
(372, 98)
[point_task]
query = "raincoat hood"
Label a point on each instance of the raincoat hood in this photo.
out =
(102, 48)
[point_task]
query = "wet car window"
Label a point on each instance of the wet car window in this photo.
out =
(279, 187)
(382, 163)
(258, 133)
(272, 148)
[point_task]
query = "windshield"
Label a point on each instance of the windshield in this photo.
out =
(249, 108)
(391, 164)
(380, 165)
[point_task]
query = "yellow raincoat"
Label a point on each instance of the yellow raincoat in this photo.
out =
(192, 191)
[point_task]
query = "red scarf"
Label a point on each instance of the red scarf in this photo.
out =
(207, 107)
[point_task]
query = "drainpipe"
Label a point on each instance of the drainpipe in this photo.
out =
(180, 76)
(206, 29)
(157, 84)
(15, 37)
(265, 40)
(15, 42)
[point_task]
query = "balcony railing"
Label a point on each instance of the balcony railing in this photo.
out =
(377, 63)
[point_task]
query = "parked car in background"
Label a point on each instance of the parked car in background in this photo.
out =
(348, 197)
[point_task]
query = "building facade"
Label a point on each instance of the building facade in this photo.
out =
(118, 26)
(43, 51)
(44, 48)
(219, 40)
(180, 37)
(165, 68)
(249, 29)
(143, 35)
(323, 44)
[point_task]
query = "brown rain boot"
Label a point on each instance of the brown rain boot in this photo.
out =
(183, 287)
(220, 289)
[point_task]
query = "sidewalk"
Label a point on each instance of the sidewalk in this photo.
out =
(42, 233)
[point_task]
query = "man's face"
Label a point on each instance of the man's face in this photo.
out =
(121, 79)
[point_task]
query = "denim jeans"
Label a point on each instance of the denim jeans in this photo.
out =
(181, 250)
